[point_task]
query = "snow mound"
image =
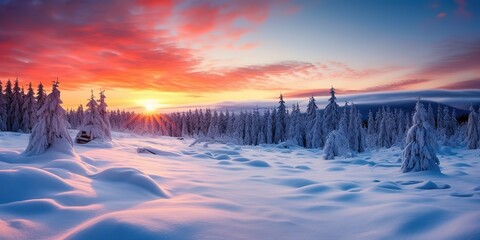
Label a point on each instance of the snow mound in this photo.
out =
(226, 152)
(315, 188)
(73, 166)
(461, 194)
(132, 177)
(293, 182)
(23, 183)
(241, 159)
(389, 185)
(258, 163)
(432, 185)
(222, 157)
(157, 223)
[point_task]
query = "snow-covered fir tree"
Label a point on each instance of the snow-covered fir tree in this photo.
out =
(309, 121)
(331, 149)
(337, 142)
(3, 109)
(29, 109)
(51, 128)
(353, 129)
(8, 103)
(41, 95)
(318, 138)
(419, 153)
(102, 110)
(331, 113)
(281, 121)
(439, 119)
(383, 135)
(15, 110)
(473, 137)
(431, 115)
(371, 123)
(93, 124)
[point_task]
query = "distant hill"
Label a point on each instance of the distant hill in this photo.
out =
(405, 105)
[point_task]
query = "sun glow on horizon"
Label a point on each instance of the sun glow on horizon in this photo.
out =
(150, 105)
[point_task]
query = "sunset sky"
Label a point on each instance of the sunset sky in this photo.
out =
(194, 53)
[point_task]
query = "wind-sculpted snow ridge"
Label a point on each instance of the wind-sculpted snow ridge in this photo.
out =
(174, 190)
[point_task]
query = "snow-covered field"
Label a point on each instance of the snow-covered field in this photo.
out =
(231, 192)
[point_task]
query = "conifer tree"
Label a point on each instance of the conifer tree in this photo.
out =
(41, 95)
(439, 119)
(371, 123)
(93, 123)
(331, 113)
(8, 103)
(51, 128)
(29, 109)
(3, 110)
(102, 110)
(419, 154)
(281, 121)
(309, 121)
(15, 113)
(430, 115)
(318, 138)
(472, 129)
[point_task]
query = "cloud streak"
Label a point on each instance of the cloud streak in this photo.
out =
(132, 44)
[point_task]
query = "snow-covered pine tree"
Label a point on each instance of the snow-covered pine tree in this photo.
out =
(439, 119)
(371, 123)
(240, 127)
(310, 121)
(93, 123)
(231, 125)
(318, 138)
(262, 121)
(29, 109)
(185, 132)
(16, 107)
(8, 103)
(419, 153)
(51, 128)
(331, 113)
(361, 134)
(431, 115)
(269, 127)
(296, 124)
(472, 129)
(353, 129)
(337, 142)
(102, 110)
(247, 140)
(330, 150)
(448, 128)
(41, 95)
(391, 127)
(401, 129)
(281, 121)
(378, 120)
(3, 110)
(256, 127)
(383, 136)
(79, 116)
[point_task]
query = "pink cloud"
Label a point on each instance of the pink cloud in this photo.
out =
(441, 15)
(468, 84)
(395, 86)
(129, 43)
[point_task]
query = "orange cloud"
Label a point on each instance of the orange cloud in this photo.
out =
(135, 44)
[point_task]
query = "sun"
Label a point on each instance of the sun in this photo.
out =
(149, 105)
